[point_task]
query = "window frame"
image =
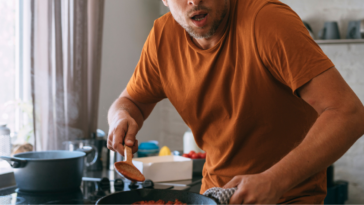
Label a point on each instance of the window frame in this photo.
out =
(7, 178)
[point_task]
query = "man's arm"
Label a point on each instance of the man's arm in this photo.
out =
(339, 125)
(126, 117)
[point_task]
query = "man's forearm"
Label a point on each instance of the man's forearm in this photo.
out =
(330, 137)
(125, 104)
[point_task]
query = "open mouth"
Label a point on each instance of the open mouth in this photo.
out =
(199, 17)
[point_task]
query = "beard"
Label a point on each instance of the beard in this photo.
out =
(213, 28)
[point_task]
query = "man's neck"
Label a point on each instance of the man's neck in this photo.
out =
(204, 43)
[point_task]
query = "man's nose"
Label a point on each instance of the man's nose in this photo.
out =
(194, 2)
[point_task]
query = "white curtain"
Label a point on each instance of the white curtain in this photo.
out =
(65, 55)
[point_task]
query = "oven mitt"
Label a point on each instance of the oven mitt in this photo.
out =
(220, 195)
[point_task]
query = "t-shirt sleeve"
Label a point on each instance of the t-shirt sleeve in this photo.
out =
(286, 47)
(145, 85)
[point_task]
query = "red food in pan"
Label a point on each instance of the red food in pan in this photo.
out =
(176, 202)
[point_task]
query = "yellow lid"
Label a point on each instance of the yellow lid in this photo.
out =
(165, 151)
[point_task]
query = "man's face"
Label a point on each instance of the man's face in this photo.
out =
(200, 18)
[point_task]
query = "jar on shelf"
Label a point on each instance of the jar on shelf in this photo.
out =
(5, 145)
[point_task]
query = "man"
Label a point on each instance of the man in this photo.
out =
(262, 99)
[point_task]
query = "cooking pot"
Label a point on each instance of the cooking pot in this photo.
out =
(129, 197)
(93, 159)
(48, 171)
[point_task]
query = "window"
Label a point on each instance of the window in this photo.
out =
(15, 100)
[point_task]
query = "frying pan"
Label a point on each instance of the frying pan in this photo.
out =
(129, 197)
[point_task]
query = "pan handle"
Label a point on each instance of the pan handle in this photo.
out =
(14, 162)
(88, 149)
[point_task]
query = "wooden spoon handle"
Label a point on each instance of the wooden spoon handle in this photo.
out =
(128, 154)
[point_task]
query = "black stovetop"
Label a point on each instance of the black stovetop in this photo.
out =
(95, 185)
(88, 193)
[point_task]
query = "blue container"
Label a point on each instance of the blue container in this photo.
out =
(147, 149)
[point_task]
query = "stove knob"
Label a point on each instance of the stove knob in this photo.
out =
(133, 185)
(118, 184)
(104, 184)
(148, 184)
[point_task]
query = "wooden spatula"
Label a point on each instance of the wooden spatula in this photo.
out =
(127, 169)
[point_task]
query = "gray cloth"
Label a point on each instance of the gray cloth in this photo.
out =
(64, 57)
(220, 195)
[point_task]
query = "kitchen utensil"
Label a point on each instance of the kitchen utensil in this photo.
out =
(79, 144)
(129, 197)
(93, 160)
(127, 169)
(330, 31)
(309, 29)
(48, 171)
(5, 145)
(355, 30)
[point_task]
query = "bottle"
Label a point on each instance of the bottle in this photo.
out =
(5, 145)
(189, 143)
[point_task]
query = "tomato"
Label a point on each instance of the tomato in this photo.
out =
(194, 156)
(186, 155)
(202, 155)
(192, 152)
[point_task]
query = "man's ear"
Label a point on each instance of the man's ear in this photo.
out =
(165, 2)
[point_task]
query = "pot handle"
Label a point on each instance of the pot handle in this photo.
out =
(88, 149)
(14, 162)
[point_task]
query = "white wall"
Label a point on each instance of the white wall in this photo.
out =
(127, 24)
(349, 60)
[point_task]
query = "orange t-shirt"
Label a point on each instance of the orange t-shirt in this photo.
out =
(238, 97)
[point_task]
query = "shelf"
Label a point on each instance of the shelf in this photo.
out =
(340, 41)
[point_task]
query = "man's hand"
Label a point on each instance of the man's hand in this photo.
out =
(254, 189)
(126, 117)
(123, 129)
